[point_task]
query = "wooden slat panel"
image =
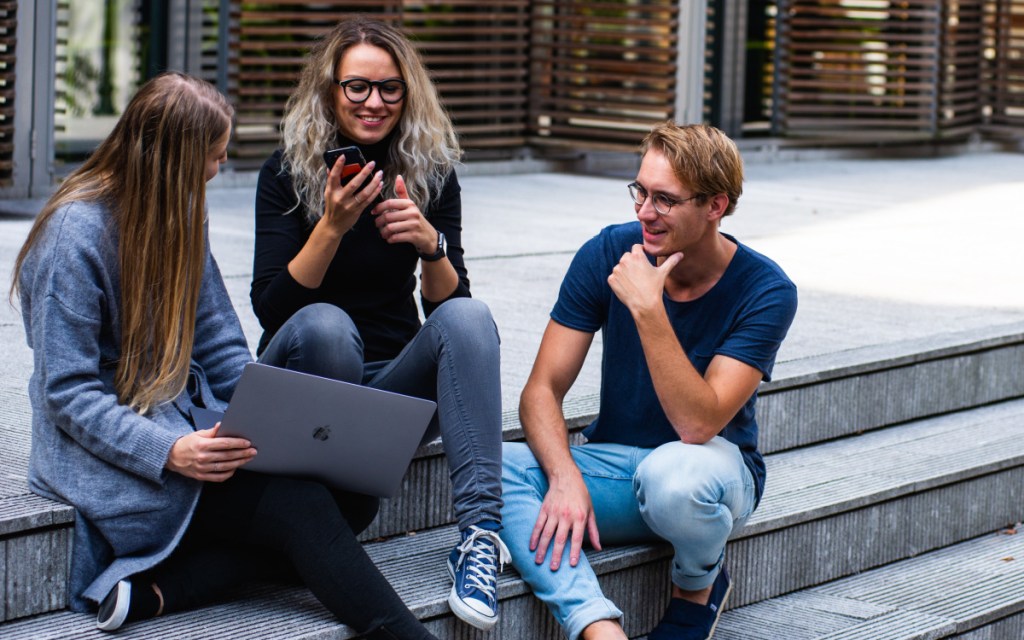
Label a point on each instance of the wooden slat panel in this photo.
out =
(477, 54)
(601, 71)
(874, 65)
(8, 45)
(960, 72)
(1003, 69)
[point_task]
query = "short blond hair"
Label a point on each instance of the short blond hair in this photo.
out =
(703, 158)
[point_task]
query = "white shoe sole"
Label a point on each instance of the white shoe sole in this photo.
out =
(122, 600)
(466, 613)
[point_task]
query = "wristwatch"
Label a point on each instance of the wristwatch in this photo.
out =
(442, 250)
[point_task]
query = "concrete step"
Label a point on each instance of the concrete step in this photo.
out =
(830, 396)
(973, 589)
(810, 400)
(836, 395)
(830, 511)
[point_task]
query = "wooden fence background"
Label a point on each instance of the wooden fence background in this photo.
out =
(518, 74)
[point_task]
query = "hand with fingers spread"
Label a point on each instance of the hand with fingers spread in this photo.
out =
(400, 220)
(637, 283)
(566, 515)
(343, 204)
(203, 456)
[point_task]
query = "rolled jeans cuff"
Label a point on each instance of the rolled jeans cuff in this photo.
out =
(589, 613)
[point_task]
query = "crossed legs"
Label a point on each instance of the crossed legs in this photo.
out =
(693, 496)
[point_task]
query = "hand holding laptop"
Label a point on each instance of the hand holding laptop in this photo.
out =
(201, 455)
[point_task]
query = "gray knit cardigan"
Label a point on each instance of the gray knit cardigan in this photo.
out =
(88, 450)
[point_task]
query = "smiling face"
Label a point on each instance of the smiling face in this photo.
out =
(686, 223)
(371, 121)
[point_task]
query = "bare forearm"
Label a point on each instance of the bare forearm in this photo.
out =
(309, 266)
(439, 279)
(540, 413)
(689, 402)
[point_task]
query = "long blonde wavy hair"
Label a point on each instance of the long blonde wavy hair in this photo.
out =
(424, 147)
(150, 172)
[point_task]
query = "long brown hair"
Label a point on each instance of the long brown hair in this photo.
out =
(150, 172)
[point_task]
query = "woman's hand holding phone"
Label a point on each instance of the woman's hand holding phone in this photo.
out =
(344, 203)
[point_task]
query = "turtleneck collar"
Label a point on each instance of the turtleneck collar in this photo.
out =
(377, 152)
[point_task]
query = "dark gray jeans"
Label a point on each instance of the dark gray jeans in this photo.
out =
(453, 360)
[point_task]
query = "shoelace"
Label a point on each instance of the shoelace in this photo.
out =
(480, 573)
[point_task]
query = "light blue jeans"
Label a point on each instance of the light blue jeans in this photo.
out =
(453, 360)
(693, 496)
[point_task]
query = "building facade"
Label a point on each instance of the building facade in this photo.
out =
(532, 76)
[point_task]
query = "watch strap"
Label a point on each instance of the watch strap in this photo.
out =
(442, 245)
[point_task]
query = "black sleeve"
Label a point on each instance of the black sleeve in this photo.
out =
(281, 231)
(446, 216)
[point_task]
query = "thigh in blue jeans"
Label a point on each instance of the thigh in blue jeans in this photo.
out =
(693, 496)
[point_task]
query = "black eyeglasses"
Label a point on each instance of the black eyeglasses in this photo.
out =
(662, 203)
(358, 90)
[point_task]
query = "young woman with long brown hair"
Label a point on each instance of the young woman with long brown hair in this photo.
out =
(131, 327)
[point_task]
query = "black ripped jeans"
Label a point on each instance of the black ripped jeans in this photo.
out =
(256, 526)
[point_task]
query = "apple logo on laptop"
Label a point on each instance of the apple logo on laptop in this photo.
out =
(322, 433)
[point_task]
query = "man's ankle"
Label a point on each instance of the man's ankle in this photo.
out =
(603, 630)
(700, 597)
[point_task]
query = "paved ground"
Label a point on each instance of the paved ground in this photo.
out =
(882, 251)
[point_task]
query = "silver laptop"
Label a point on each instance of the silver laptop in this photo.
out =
(345, 435)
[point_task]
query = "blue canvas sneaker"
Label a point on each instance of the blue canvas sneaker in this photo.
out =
(474, 565)
(685, 620)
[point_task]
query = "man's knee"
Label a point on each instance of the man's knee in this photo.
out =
(680, 482)
(678, 474)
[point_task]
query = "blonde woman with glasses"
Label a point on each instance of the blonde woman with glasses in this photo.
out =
(131, 328)
(335, 266)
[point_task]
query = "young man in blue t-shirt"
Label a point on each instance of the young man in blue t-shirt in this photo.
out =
(691, 323)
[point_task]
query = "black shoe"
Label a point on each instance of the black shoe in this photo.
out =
(685, 620)
(114, 608)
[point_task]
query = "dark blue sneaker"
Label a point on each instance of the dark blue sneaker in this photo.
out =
(685, 620)
(474, 565)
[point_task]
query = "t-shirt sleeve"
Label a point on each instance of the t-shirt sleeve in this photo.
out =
(761, 327)
(584, 296)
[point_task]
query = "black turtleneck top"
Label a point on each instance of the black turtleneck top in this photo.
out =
(371, 280)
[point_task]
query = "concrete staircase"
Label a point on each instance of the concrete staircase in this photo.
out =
(892, 428)
(895, 474)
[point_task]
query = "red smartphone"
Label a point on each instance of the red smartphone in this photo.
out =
(353, 159)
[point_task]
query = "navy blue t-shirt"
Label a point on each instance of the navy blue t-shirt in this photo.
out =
(744, 316)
